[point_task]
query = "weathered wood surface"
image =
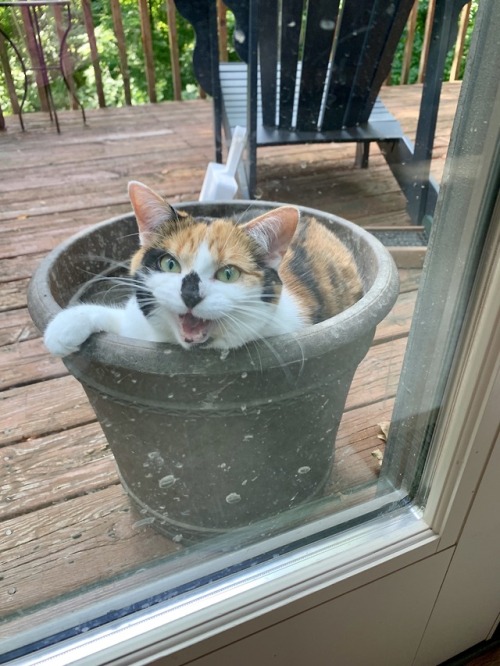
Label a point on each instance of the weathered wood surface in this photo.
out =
(64, 518)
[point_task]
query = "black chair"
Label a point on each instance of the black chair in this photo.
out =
(311, 71)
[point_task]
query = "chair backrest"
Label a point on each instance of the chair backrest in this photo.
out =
(322, 62)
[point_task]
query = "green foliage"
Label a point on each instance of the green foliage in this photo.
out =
(418, 43)
(109, 61)
(84, 76)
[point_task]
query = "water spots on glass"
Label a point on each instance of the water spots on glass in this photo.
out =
(326, 24)
(244, 375)
(233, 498)
(167, 481)
(143, 522)
(239, 36)
(243, 408)
(304, 470)
(224, 354)
(177, 538)
(156, 457)
(247, 438)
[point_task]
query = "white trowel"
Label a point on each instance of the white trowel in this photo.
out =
(220, 182)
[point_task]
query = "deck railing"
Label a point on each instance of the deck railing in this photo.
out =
(412, 62)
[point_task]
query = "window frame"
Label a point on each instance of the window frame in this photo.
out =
(466, 436)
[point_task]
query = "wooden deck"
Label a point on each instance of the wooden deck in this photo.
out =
(64, 518)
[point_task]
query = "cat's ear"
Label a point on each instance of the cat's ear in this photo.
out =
(273, 231)
(151, 210)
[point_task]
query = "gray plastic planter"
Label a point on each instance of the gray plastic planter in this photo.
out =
(204, 441)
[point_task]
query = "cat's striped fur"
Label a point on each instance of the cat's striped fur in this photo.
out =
(217, 283)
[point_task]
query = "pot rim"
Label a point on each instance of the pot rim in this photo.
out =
(336, 332)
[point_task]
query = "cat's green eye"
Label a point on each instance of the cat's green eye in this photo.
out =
(168, 264)
(228, 274)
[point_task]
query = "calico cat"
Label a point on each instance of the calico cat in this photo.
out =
(214, 283)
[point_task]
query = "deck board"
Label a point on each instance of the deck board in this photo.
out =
(65, 518)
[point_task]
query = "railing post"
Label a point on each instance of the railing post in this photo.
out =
(174, 50)
(36, 64)
(89, 25)
(66, 62)
(147, 44)
(424, 55)
(410, 38)
(459, 46)
(122, 51)
(11, 89)
(222, 30)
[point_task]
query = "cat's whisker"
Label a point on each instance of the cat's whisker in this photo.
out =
(257, 337)
(269, 319)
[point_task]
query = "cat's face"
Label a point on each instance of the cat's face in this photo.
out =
(211, 282)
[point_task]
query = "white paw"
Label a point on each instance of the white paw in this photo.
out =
(67, 331)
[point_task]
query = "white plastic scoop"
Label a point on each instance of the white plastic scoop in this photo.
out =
(220, 182)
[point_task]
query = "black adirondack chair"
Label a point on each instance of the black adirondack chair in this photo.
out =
(311, 71)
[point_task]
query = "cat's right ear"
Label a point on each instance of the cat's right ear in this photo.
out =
(151, 210)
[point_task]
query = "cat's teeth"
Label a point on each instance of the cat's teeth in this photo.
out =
(194, 330)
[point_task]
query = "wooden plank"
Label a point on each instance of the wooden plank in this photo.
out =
(398, 321)
(147, 45)
(122, 48)
(408, 257)
(74, 544)
(13, 295)
(377, 376)
(27, 362)
(355, 466)
(16, 326)
(40, 409)
(409, 279)
(48, 470)
(19, 267)
(94, 52)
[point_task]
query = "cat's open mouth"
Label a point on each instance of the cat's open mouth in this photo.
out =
(194, 330)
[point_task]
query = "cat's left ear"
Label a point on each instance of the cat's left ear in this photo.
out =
(273, 231)
(151, 210)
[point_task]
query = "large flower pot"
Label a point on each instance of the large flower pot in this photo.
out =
(208, 441)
